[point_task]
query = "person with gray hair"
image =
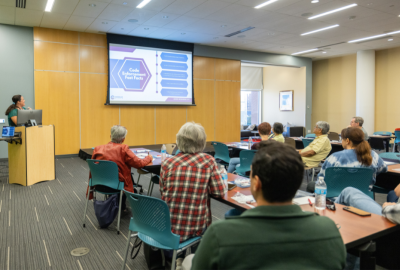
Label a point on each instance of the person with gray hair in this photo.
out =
(318, 149)
(120, 153)
(358, 122)
(186, 182)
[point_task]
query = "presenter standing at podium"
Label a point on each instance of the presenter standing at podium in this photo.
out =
(12, 111)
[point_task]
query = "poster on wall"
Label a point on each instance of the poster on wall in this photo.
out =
(286, 100)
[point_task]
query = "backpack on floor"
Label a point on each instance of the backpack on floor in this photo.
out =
(106, 211)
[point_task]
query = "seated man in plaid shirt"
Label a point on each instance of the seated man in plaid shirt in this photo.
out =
(186, 182)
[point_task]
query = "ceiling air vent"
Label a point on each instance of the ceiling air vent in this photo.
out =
(20, 3)
(240, 31)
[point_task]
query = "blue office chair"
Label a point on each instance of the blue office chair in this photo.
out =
(310, 135)
(397, 140)
(339, 178)
(104, 173)
(221, 153)
(386, 133)
(306, 142)
(246, 158)
(151, 222)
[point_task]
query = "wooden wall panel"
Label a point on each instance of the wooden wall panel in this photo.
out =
(387, 85)
(169, 119)
(96, 118)
(227, 70)
(227, 111)
(139, 121)
(54, 35)
(93, 59)
(203, 112)
(56, 56)
(334, 91)
(203, 68)
(57, 94)
(93, 39)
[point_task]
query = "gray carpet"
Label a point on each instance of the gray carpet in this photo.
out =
(40, 225)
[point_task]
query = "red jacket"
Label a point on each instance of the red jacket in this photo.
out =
(125, 159)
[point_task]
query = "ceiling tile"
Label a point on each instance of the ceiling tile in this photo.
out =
(301, 7)
(181, 22)
(161, 33)
(54, 20)
(207, 8)
(115, 12)
(7, 14)
(36, 4)
(65, 6)
(183, 6)
(208, 27)
(143, 30)
(123, 28)
(78, 23)
(142, 15)
(83, 8)
(28, 17)
(273, 6)
(161, 19)
(9, 3)
(101, 25)
(236, 14)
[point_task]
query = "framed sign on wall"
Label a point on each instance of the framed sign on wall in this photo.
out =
(286, 100)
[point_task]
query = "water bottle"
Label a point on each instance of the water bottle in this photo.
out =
(163, 152)
(320, 194)
(224, 176)
(250, 143)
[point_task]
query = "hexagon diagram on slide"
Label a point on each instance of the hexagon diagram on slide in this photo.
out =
(134, 74)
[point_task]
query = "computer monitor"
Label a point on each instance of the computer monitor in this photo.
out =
(8, 132)
(24, 116)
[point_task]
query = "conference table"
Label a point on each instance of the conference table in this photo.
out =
(384, 138)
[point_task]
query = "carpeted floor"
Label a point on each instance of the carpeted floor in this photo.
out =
(41, 224)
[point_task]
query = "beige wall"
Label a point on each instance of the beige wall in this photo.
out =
(334, 91)
(387, 89)
(276, 79)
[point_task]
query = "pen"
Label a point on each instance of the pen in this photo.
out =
(309, 201)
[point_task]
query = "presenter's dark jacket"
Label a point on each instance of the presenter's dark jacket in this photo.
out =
(272, 237)
(125, 159)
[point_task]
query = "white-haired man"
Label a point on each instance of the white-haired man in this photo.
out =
(358, 122)
(319, 148)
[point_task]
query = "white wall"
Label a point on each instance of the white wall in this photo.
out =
(276, 79)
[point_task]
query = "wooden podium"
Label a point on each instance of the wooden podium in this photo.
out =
(33, 160)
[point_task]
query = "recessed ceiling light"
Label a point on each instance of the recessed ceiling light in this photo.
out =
(265, 3)
(224, 25)
(305, 51)
(399, 15)
(124, 3)
(165, 17)
(133, 21)
(143, 3)
(104, 22)
(323, 52)
(322, 29)
(390, 39)
(367, 38)
(49, 5)
(146, 28)
(183, 33)
(332, 11)
(314, 1)
(92, 5)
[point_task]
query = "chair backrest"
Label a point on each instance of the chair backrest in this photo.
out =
(177, 151)
(246, 158)
(151, 217)
(395, 156)
(290, 142)
(338, 178)
(333, 136)
(387, 133)
(221, 151)
(397, 134)
(104, 173)
(306, 142)
(310, 135)
(170, 148)
(376, 143)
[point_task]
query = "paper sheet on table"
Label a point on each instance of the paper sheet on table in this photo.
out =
(241, 198)
(389, 163)
(397, 170)
(304, 200)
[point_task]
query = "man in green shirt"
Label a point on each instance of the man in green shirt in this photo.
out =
(276, 234)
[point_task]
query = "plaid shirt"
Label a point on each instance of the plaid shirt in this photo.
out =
(185, 182)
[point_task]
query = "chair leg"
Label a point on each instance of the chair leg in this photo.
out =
(119, 210)
(138, 179)
(150, 190)
(84, 213)
(307, 176)
(313, 172)
(173, 261)
(127, 249)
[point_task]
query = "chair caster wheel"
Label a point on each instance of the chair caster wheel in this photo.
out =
(117, 232)
(84, 225)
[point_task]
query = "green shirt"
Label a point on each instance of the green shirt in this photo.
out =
(11, 114)
(272, 237)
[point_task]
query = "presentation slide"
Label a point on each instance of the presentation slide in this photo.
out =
(143, 75)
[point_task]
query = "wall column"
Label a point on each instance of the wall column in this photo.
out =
(365, 88)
